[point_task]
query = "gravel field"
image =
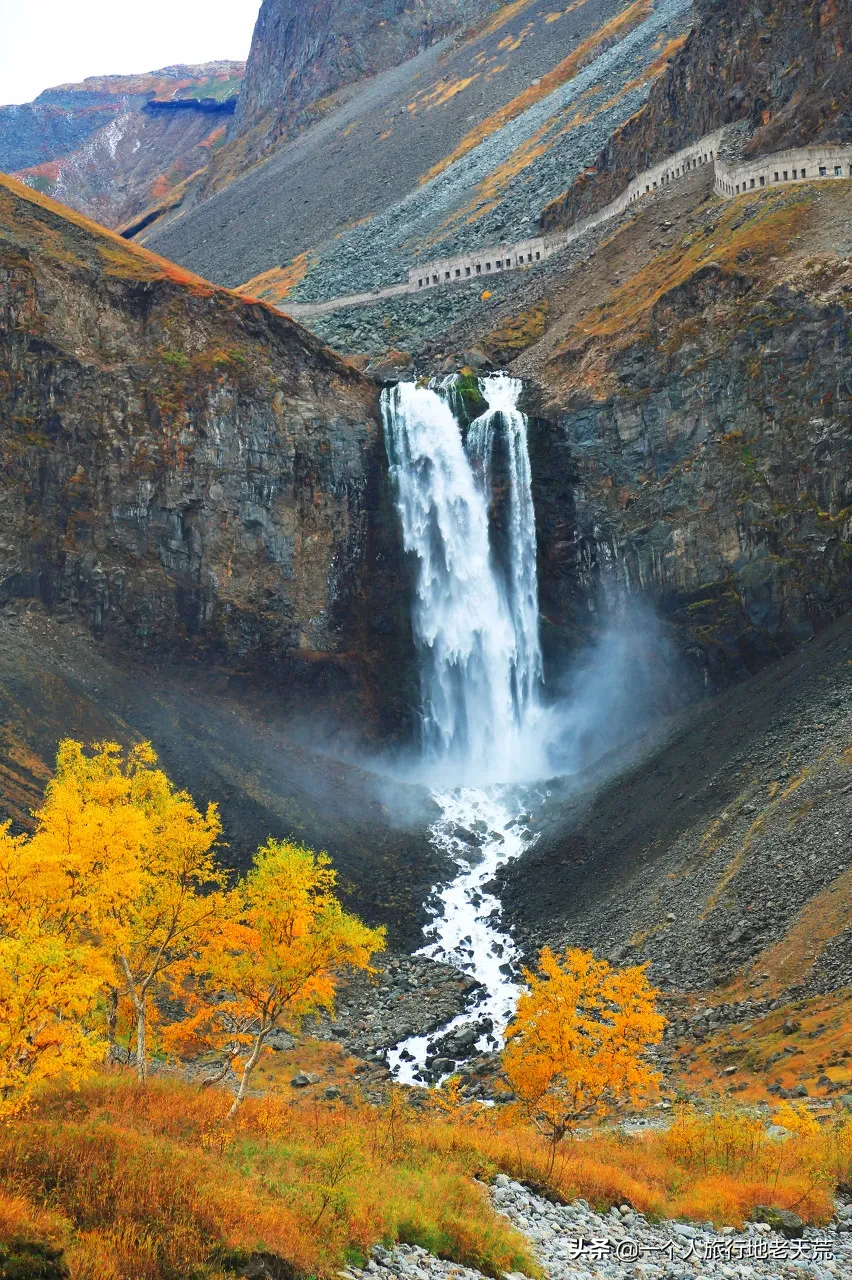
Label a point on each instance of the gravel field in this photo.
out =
(572, 1241)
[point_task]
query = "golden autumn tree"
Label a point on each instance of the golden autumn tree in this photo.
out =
(274, 959)
(124, 852)
(50, 979)
(579, 1039)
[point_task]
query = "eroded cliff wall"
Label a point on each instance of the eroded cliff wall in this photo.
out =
(187, 472)
(699, 453)
(303, 50)
(783, 66)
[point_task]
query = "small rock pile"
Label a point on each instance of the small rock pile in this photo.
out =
(411, 995)
(574, 1242)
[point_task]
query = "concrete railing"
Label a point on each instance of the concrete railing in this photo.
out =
(525, 253)
(304, 310)
(805, 164)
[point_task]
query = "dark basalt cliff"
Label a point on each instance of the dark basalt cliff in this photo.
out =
(188, 472)
(303, 50)
(699, 451)
(784, 66)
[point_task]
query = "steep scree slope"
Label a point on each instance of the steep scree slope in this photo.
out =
(304, 50)
(98, 148)
(720, 856)
(784, 66)
(188, 472)
(461, 144)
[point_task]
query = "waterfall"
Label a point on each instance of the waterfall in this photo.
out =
(501, 394)
(475, 619)
(475, 615)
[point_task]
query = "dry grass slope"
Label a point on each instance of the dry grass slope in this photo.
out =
(36, 215)
(153, 1183)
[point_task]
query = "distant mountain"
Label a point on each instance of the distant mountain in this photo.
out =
(112, 144)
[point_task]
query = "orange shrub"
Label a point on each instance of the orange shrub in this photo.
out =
(155, 1182)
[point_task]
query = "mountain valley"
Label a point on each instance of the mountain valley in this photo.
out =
(524, 593)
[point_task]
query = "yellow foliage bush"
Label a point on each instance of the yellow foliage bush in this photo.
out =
(578, 1040)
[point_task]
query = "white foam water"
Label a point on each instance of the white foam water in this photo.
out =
(476, 628)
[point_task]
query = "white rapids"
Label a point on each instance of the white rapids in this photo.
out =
(476, 626)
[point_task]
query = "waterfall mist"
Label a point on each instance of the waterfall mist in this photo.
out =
(620, 689)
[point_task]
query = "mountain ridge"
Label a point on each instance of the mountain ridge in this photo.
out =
(97, 147)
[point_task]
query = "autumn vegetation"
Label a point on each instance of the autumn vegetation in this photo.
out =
(116, 905)
(578, 1041)
(123, 943)
(156, 1183)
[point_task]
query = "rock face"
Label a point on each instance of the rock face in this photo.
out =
(785, 67)
(189, 473)
(303, 50)
(705, 412)
(100, 148)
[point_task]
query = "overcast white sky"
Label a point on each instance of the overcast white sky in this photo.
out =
(48, 42)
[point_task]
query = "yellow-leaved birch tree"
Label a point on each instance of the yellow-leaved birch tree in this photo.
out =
(134, 857)
(50, 979)
(579, 1040)
(283, 941)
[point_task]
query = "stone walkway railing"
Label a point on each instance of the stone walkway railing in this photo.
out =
(304, 310)
(805, 164)
(499, 258)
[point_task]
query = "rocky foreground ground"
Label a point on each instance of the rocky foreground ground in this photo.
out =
(574, 1241)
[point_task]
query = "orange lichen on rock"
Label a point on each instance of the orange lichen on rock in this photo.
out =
(590, 48)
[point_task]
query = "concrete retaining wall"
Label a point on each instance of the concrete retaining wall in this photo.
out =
(805, 164)
(526, 253)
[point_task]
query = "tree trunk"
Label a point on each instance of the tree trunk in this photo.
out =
(139, 998)
(247, 1070)
(112, 1025)
(218, 1075)
(141, 1044)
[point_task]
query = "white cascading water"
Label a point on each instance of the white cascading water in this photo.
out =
(476, 627)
